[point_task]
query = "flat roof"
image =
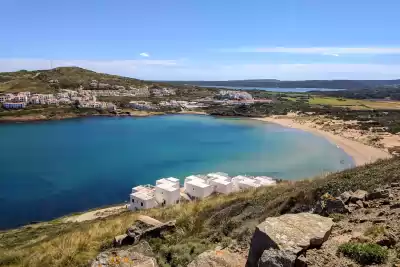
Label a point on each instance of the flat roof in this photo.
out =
(168, 187)
(198, 183)
(143, 195)
(221, 181)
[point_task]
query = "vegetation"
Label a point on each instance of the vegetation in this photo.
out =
(222, 219)
(392, 93)
(364, 253)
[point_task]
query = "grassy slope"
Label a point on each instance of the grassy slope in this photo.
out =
(201, 225)
(69, 77)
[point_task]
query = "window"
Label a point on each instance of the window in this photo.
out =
(141, 204)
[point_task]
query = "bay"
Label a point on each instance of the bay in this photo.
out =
(49, 169)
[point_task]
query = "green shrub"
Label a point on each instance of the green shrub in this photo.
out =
(364, 253)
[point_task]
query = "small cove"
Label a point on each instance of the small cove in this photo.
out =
(49, 169)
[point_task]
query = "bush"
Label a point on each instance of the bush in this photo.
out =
(364, 253)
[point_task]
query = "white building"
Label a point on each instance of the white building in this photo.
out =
(221, 182)
(142, 198)
(234, 95)
(167, 191)
(197, 187)
(12, 105)
(241, 182)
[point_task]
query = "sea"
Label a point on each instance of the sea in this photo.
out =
(53, 168)
(275, 89)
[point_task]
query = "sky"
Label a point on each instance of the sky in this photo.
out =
(205, 39)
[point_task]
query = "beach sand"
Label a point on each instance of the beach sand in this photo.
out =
(360, 153)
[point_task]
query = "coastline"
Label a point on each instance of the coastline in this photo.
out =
(133, 113)
(361, 153)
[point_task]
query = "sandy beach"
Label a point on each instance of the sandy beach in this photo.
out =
(360, 153)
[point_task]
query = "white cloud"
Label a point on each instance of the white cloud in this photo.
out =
(327, 54)
(318, 50)
(144, 54)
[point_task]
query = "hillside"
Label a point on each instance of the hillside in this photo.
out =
(225, 220)
(268, 83)
(42, 81)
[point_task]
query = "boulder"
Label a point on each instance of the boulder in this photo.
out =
(358, 195)
(293, 233)
(335, 206)
(277, 258)
(378, 193)
(123, 258)
(218, 258)
(395, 184)
(346, 196)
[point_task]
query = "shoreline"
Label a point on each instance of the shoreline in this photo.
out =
(133, 114)
(360, 153)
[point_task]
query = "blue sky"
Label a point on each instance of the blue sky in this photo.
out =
(205, 39)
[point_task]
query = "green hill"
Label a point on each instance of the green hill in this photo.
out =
(218, 220)
(40, 81)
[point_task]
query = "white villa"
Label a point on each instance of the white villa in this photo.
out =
(241, 182)
(142, 197)
(167, 191)
(197, 187)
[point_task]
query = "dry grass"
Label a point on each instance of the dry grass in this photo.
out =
(354, 104)
(200, 225)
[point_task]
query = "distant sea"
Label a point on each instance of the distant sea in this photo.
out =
(50, 169)
(283, 90)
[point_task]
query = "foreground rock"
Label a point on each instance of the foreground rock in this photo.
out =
(291, 233)
(218, 258)
(136, 256)
(141, 230)
(277, 258)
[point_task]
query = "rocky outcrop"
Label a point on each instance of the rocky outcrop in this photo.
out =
(218, 258)
(292, 233)
(358, 195)
(277, 258)
(141, 230)
(378, 193)
(136, 256)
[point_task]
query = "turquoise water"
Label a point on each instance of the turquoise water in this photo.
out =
(49, 169)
